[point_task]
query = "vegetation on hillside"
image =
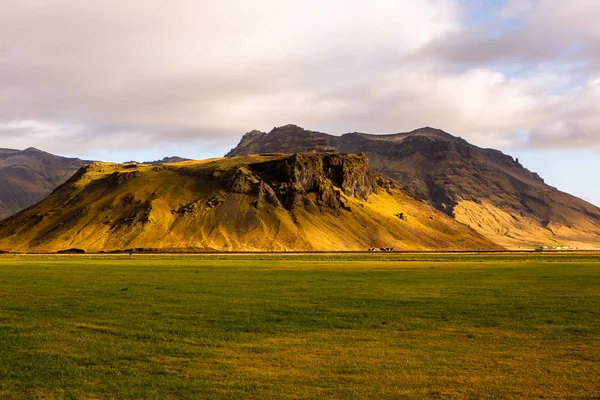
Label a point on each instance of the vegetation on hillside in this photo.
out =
(257, 203)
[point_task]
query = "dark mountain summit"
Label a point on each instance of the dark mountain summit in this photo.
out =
(28, 176)
(484, 188)
(288, 138)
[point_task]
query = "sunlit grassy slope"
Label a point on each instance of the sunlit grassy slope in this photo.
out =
(306, 327)
(515, 231)
(278, 202)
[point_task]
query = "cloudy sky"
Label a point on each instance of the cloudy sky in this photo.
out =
(142, 79)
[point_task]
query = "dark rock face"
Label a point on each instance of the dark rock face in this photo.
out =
(266, 194)
(119, 178)
(326, 175)
(289, 181)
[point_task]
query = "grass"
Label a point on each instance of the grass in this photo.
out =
(301, 326)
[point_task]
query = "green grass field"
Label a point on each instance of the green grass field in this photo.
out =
(314, 326)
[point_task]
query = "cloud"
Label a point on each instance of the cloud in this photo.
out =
(99, 76)
(526, 34)
(574, 122)
(192, 69)
(548, 53)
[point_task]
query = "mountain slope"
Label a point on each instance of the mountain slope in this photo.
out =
(293, 202)
(28, 176)
(483, 188)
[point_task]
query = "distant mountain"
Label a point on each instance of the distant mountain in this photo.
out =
(168, 160)
(28, 176)
(483, 188)
(290, 202)
(164, 160)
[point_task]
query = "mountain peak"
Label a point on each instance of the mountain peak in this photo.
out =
(33, 150)
(288, 127)
(428, 130)
(254, 132)
(292, 138)
(484, 188)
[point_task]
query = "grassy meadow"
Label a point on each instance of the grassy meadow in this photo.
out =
(300, 326)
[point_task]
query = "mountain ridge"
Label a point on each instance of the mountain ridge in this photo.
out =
(483, 188)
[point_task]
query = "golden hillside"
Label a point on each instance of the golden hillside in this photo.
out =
(255, 203)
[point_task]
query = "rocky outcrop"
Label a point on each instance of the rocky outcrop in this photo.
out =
(287, 182)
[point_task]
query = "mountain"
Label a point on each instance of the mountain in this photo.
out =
(483, 188)
(275, 202)
(28, 176)
(168, 160)
(164, 160)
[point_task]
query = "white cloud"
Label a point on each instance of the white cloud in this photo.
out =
(192, 69)
(27, 133)
(98, 76)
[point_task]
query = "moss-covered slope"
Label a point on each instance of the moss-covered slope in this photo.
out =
(257, 203)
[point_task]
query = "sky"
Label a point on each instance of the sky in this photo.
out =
(119, 80)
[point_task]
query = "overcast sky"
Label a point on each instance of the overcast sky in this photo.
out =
(142, 79)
